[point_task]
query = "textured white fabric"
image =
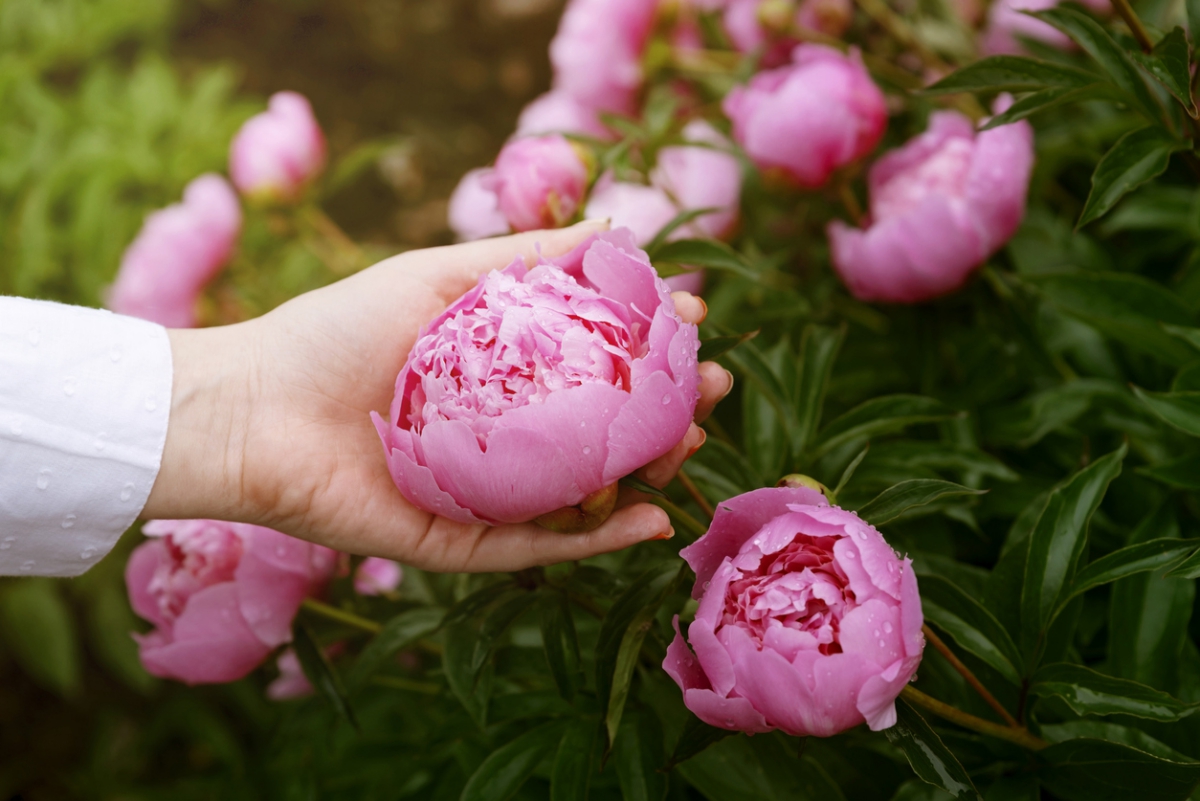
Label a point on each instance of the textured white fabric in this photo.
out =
(85, 397)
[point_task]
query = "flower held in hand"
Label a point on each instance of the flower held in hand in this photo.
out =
(542, 387)
(222, 595)
(808, 621)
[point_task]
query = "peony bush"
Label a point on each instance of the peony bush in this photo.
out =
(941, 538)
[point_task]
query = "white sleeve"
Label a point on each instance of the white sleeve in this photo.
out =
(85, 397)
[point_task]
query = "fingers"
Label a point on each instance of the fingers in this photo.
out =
(660, 472)
(715, 385)
(689, 307)
(454, 269)
(515, 547)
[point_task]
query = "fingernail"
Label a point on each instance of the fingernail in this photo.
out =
(703, 439)
(703, 305)
(666, 535)
(730, 388)
(605, 221)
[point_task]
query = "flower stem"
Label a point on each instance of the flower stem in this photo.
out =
(1019, 736)
(695, 492)
(966, 673)
(1136, 27)
(339, 252)
(397, 683)
(690, 524)
(340, 615)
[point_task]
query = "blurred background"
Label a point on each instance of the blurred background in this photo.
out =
(107, 109)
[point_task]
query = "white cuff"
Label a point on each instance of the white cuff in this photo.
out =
(85, 397)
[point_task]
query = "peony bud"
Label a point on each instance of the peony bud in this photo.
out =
(808, 621)
(769, 25)
(291, 681)
(474, 211)
(798, 481)
(377, 576)
(597, 52)
(809, 118)
(644, 210)
(702, 177)
(221, 595)
(558, 112)
(1007, 22)
(940, 205)
(540, 182)
(278, 153)
(580, 372)
(177, 253)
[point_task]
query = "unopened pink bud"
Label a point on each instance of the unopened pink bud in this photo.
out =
(377, 576)
(175, 255)
(475, 210)
(278, 153)
(809, 118)
(539, 181)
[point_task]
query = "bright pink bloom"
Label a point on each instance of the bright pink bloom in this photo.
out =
(940, 205)
(743, 24)
(291, 681)
(808, 621)
(222, 595)
(702, 177)
(542, 386)
(178, 251)
(558, 112)
(807, 119)
(540, 182)
(474, 211)
(278, 153)
(597, 52)
(643, 209)
(1006, 22)
(377, 576)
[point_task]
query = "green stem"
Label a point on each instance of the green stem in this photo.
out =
(689, 524)
(1020, 736)
(966, 673)
(340, 615)
(397, 683)
(695, 492)
(1135, 25)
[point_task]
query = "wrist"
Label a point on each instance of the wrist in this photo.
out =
(204, 456)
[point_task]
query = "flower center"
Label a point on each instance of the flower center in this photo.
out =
(521, 341)
(198, 559)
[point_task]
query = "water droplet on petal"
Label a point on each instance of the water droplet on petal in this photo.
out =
(87, 553)
(849, 554)
(882, 644)
(68, 521)
(586, 450)
(666, 399)
(876, 632)
(43, 479)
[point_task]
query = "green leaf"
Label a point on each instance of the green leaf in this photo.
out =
(1096, 770)
(496, 624)
(561, 644)
(1181, 473)
(1011, 74)
(970, 625)
(397, 634)
(571, 775)
(767, 380)
(632, 610)
(1128, 308)
(1113, 732)
(1136, 158)
(730, 771)
(678, 221)
(510, 766)
(1148, 615)
(713, 347)
(819, 348)
(630, 647)
(1098, 44)
(477, 601)
(704, 253)
(1090, 693)
(1180, 409)
(879, 416)
(1129, 561)
(40, 632)
(471, 688)
(638, 758)
(1057, 541)
(928, 755)
(1051, 97)
(320, 672)
(1169, 66)
(1187, 569)
(695, 738)
(635, 483)
(895, 501)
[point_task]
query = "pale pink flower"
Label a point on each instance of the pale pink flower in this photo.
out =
(539, 181)
(559, 112)
(278, 153)
(179, 250)
(474, 211)
(597, 52)
(808, 621)
(1006, 22)
(376, 576)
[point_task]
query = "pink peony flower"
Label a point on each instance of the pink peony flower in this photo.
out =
(278, 153)
(807, 119)
(291, 681)
(702, 177)
(175, 255)
(597, 52)
(540, 182)
(474, 211)
(1006, 22)
(808, 621)
(744, 24)
(222, 595)
(377, 576)
(643, 209)
(558, 112)
(940, 205)
(542, 387)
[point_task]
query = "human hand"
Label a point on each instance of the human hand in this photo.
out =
(269, 420)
